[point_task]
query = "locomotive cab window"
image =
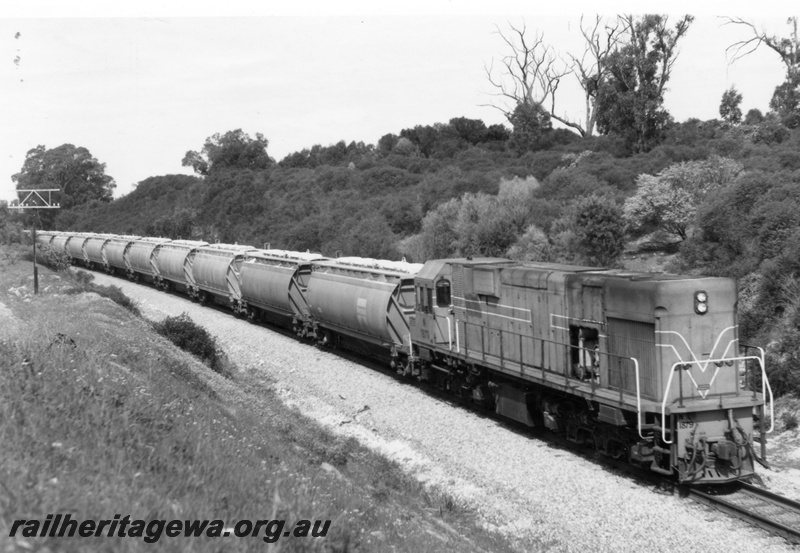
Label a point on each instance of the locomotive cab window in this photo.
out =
(585, 352)
(443, 293)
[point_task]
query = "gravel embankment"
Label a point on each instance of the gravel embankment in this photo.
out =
(521, 486)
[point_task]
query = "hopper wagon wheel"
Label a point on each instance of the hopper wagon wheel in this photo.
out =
(202, 297)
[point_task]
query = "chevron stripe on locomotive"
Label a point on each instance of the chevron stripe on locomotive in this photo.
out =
(644, 367)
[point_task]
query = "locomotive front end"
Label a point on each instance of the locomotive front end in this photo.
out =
(710, 419)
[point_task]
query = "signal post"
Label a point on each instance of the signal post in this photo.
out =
(39, 198)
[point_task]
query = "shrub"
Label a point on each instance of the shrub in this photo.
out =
(790, 420)
(50, 258)
(193, 338)
(84, 278)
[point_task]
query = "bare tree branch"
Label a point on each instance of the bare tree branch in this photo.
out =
(590, 69)
(787, 48)
(530, 74)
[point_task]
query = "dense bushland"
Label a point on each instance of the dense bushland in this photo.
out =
(722, 195)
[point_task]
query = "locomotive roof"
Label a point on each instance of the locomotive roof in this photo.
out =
(520, 272)
(434, 266)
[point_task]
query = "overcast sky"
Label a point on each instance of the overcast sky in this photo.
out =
(141, 88)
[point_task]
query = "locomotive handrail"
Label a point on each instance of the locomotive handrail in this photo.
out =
(638, 398)
(766, 386)
(679, 365)
(566, 373)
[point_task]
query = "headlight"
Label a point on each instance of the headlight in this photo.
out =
(701, 302)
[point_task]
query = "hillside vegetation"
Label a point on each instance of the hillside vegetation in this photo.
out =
(724, 197)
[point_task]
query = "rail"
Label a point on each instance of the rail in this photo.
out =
(681, 365)
(772, 512)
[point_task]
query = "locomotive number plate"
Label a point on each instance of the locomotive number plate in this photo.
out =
(685, 424)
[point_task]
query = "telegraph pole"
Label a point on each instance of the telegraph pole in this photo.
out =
(40, 198)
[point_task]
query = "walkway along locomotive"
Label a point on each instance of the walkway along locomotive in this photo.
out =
(646, 367)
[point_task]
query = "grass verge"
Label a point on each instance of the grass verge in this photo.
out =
(99, 416)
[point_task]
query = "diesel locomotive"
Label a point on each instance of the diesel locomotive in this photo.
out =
(641, 366)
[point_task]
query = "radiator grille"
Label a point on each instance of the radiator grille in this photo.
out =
(458, 286)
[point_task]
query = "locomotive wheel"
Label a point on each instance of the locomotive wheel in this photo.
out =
(616, 450)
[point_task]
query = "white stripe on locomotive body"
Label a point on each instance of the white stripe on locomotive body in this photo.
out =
(701, 364)
(494, 306)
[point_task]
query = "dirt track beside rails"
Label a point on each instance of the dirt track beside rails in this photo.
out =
(521, 486)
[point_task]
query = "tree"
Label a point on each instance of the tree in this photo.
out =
(631, 96)
(530, 122)
(669, 200)
(786, 98)
(753, 117)
(74, 170)
(532, 245)
(234, 149)
(786, 101)
(178, 225)
(472, 131)
(729, 106)
(592, 67)
(599, 230)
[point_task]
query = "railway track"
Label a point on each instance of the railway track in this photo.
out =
(772, 512)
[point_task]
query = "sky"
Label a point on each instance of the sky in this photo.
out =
(142, 85)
